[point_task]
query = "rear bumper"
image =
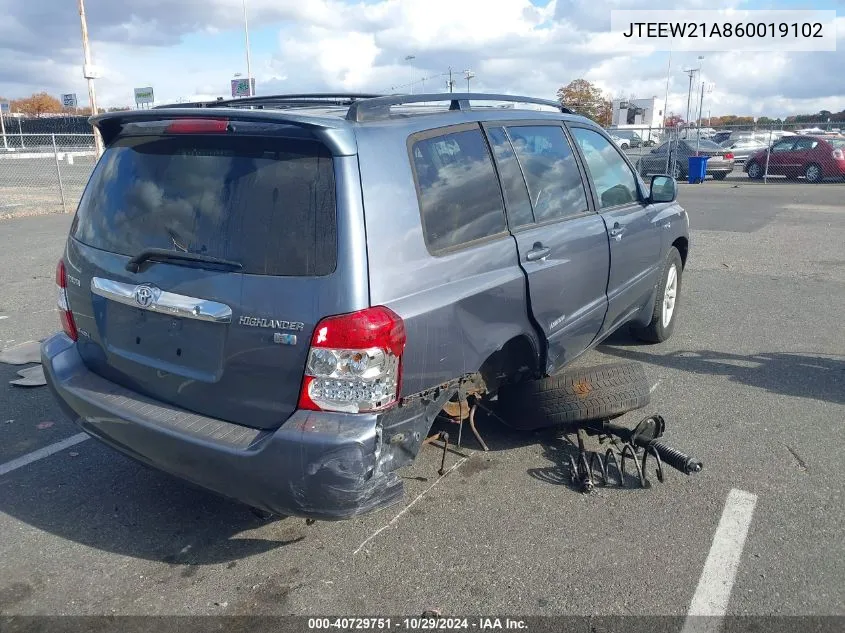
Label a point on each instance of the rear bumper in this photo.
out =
(317, 465)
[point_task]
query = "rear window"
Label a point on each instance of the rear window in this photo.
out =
(268, 204)
(459, 193)
(702, 144)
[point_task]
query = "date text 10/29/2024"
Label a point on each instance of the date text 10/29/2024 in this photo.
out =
(417, 624)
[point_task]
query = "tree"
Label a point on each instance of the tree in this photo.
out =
(583, 97)
(673, 120)
(38, 104)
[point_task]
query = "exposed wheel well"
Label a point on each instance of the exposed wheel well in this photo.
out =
(683, 248)
(517, 358)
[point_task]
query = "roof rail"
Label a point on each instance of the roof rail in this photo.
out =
(379, 107)
(304, 99)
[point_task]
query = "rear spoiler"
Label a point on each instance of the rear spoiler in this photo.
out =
(334, 133)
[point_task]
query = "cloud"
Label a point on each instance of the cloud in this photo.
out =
(188, 48)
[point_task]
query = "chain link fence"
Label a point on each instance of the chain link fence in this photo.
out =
(44, 173)
(785, 152)
(47, 172)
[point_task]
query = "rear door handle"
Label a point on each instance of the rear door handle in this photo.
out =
(538, 252)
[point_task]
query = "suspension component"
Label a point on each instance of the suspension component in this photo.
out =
(638, 446)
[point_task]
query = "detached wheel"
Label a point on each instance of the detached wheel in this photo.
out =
(813, 173)
(575, 395)
(755, 172)
(666, 304)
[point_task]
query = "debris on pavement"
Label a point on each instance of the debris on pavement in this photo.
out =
(22, 354)
(30, 377)
(44, 425)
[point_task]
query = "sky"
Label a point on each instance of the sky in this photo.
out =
(191, 49)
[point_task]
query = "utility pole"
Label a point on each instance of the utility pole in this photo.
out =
(451, 83)
(691, 72)
(89, 74)
(248, 58)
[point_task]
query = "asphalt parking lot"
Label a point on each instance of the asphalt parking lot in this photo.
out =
(753, 383)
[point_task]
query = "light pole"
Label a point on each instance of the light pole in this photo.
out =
(89, 74)
(248, 58)
(411, 58)
(469, 75)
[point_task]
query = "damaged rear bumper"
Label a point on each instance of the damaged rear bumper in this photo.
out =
(318, 465)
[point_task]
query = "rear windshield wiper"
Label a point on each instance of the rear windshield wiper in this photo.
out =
(164, 255)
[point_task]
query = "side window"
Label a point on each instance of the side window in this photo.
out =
(783, 146)
(615, 182)
(460, 199)
(805, 144)
(551, 172)
(513, 184)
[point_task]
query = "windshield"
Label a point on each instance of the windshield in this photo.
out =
(266, 204)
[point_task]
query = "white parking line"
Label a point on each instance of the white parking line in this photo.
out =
(714, 587)
(41, 453)
(408, 507)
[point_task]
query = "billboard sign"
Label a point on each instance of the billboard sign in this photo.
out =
(144, 96)
(241, 87)
(69, 100)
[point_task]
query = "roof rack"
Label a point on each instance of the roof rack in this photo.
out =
(367, 109)
(280, 101)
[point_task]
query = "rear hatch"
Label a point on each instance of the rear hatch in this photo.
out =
(200, 261)
(718, 154)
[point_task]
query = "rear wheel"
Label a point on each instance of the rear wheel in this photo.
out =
(813, 173)
(720, 175)
(754, 170)
(665, 311)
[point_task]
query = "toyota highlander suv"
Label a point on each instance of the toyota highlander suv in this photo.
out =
(274, 297)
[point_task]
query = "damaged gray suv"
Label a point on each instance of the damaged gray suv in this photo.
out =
(274, 297)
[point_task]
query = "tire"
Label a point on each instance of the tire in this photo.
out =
(755, 171)
(660, 328)
(575, 395)
(813, 173)
(624, 146)
(720, 175)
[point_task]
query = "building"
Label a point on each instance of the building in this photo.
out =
(641, 113)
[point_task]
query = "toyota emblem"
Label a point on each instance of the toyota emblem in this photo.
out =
(145, 296)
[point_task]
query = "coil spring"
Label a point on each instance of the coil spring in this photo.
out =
(591, 465)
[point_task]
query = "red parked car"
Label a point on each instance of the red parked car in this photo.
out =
(814, 157)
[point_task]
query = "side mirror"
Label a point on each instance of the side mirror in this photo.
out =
(663, 189)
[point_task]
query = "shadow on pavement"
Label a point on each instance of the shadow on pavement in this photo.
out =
(814, 376)
(96, 497)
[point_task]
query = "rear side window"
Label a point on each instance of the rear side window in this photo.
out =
(268, 204)
(513, 184)
(459, 193)
(551, 172)
(805, 144)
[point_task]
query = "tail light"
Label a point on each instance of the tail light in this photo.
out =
(355, 362)
(838, 154)
(65, 315)
(729, 156)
